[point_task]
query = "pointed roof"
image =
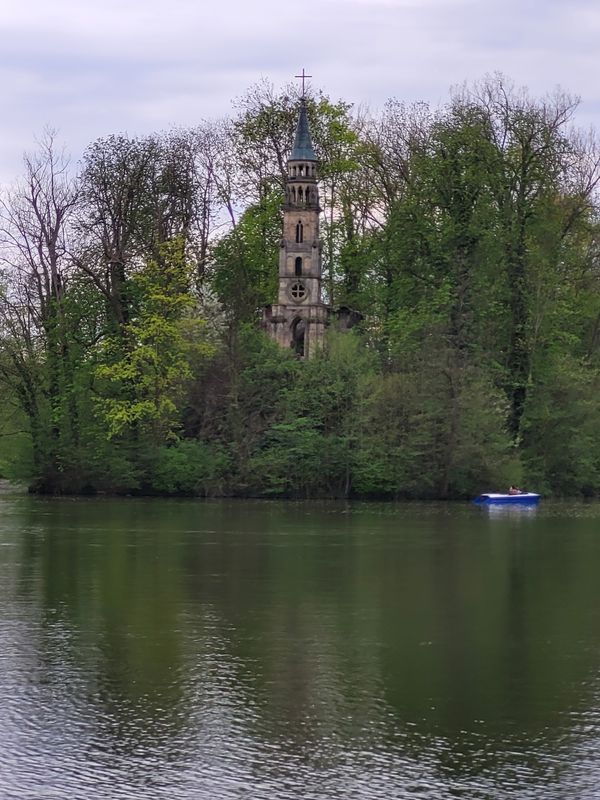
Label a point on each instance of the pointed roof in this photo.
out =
(303, 149)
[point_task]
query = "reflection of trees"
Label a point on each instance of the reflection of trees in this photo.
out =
(318, 631)
(286, 594)
(109, 574)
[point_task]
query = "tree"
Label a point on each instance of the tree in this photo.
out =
(37, 335)
(245, 262)
(136, 194)
(534, 170)
(140, 385)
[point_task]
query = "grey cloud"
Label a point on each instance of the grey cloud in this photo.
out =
(136, 66)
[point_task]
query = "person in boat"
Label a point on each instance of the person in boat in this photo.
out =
(514, 490)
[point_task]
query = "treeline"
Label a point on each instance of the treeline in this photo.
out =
(131, 354)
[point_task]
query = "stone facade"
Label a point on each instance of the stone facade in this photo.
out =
(299, 318)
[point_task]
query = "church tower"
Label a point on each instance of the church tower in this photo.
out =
(299, 318)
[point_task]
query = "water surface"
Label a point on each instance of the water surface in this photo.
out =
(291, 651)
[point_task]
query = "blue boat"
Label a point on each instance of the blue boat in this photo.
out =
(520, 499)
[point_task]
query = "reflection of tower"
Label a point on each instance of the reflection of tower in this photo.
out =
(299, 317)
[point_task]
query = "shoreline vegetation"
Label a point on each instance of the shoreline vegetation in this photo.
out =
(132, 361)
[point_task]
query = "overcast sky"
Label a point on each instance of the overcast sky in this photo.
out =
(93, 67)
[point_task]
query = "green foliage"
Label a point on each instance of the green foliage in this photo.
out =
(189, 468)
(308, 451)
(467, 238)
(244, 262)
(562, 429)
(142, 377)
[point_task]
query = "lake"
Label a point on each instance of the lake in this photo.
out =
(156, 649)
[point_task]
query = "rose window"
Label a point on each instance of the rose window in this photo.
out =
(298, 291)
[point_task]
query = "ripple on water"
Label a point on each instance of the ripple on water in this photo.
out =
(292, 662)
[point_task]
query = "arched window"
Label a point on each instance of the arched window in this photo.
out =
(293, 194)
(300, 195)
(299, 233)
(294, 171)
(298, 267)
(301, 169)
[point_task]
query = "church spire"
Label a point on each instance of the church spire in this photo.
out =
(303, 149)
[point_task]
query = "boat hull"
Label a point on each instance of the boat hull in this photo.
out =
(522, 499)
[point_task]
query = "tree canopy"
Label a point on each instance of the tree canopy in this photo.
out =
(131, 353)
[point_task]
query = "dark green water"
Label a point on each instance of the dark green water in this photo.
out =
(163, 649)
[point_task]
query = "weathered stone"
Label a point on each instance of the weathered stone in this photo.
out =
(299, 318)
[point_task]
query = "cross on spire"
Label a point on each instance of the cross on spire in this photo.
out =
(303, 76)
